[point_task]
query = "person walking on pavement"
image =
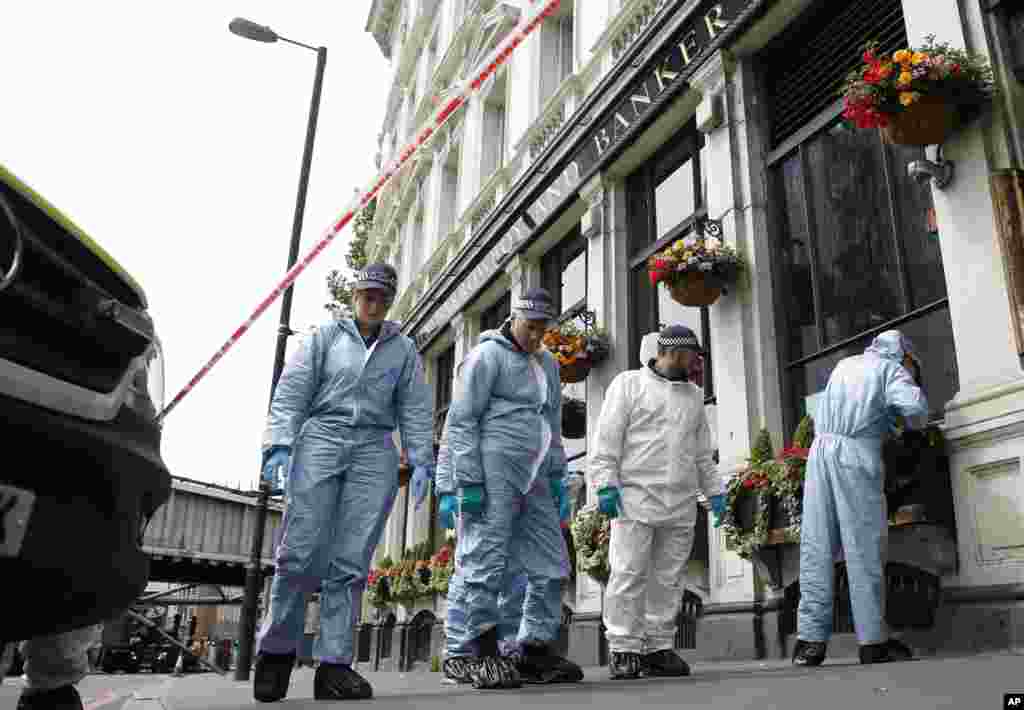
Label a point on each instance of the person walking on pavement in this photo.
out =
(505, 444)
(844, 501)
(651, 452)
(512, 599)
(54, 664)
(339, 399)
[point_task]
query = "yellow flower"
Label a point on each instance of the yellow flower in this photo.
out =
(902, 56)
(885, 70)
(909, 97)
(918, 57)
(905, 78)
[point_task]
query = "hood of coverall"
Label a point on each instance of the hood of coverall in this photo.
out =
(892, 345)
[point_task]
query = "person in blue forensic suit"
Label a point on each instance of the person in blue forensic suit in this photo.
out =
(336, 406)
(505, 444)
(512, 598)
(844, 500)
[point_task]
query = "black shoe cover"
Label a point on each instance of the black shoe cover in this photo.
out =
(272, 673)
(334, 681)
(493, 672)
(624, 665)
(539, 665)
(458, 669)
(809, 653)
(664, 664)
(62, 698)
(888, 652)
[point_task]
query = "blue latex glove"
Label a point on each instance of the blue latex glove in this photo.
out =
(421, 478)
(446, 509)
(717, 508)
(471, 499)
(275, 459)
(609, 501)
(561, 497)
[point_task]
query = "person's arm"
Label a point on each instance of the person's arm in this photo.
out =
(443, 480)
(707, 470)
(905, 397)
(294, 394)
(557, 464)
(609, 436)
(473, 396)
(415, 401)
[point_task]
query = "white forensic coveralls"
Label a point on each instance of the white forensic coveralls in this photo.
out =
(653, 441)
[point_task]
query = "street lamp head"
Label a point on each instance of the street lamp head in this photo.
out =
(250, 30)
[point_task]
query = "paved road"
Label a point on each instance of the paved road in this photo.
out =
(972, 683)
(99, 691)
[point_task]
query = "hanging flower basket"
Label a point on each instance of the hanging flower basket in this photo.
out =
(574, 418)
(765, 501)
(930, 121)
(695, 270)
(916, 96)
(575, 371)
(695, 289)
(576, 351)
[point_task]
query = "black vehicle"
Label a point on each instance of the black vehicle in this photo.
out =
(81, 379)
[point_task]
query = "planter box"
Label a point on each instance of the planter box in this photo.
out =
(745, 510)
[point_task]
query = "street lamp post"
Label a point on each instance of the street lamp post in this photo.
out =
(247, 625)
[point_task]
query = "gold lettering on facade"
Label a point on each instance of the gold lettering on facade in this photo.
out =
(689, 47)
(641, 99)
(714, 22)
(619, 120)
(664, 76)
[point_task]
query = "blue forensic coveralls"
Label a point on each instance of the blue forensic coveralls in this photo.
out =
(504, 432)
(336, 405)
(844, 501)
(512, 597)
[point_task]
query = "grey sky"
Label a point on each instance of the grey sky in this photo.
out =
(177, 146)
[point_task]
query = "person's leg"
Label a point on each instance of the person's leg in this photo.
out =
(541, 551)
(860, 502)
(481, 563)
(629, 556)
(313, 485)
(368, 488)
(819, 542)
(669, 554)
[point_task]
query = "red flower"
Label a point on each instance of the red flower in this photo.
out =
(656, 276)
(372, 578)
(869, 57)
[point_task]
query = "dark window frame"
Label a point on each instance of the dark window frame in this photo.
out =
(553, 265)
(497, 313)
(643, 242)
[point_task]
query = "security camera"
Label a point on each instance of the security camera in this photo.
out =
(940, 173)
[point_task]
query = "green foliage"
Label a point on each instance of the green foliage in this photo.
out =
(762, 450)
(339, 285)
(804, 435)
(386, 563)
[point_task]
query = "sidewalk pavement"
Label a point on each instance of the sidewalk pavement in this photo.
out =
(965, 683)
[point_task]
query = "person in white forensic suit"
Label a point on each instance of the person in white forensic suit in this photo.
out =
(652, 451)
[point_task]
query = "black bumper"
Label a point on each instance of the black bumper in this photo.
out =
(96, 485)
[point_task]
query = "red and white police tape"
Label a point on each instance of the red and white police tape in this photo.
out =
(530, 22)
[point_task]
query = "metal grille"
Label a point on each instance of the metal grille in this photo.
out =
(808, 64)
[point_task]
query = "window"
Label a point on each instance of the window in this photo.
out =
(494, 127)
(665, 203)
(857, 257)
(445, 378)
(493, 317)
(564, 272)
(855, 252)
(557, 51)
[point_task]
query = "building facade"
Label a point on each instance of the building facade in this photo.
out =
(624, 125)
